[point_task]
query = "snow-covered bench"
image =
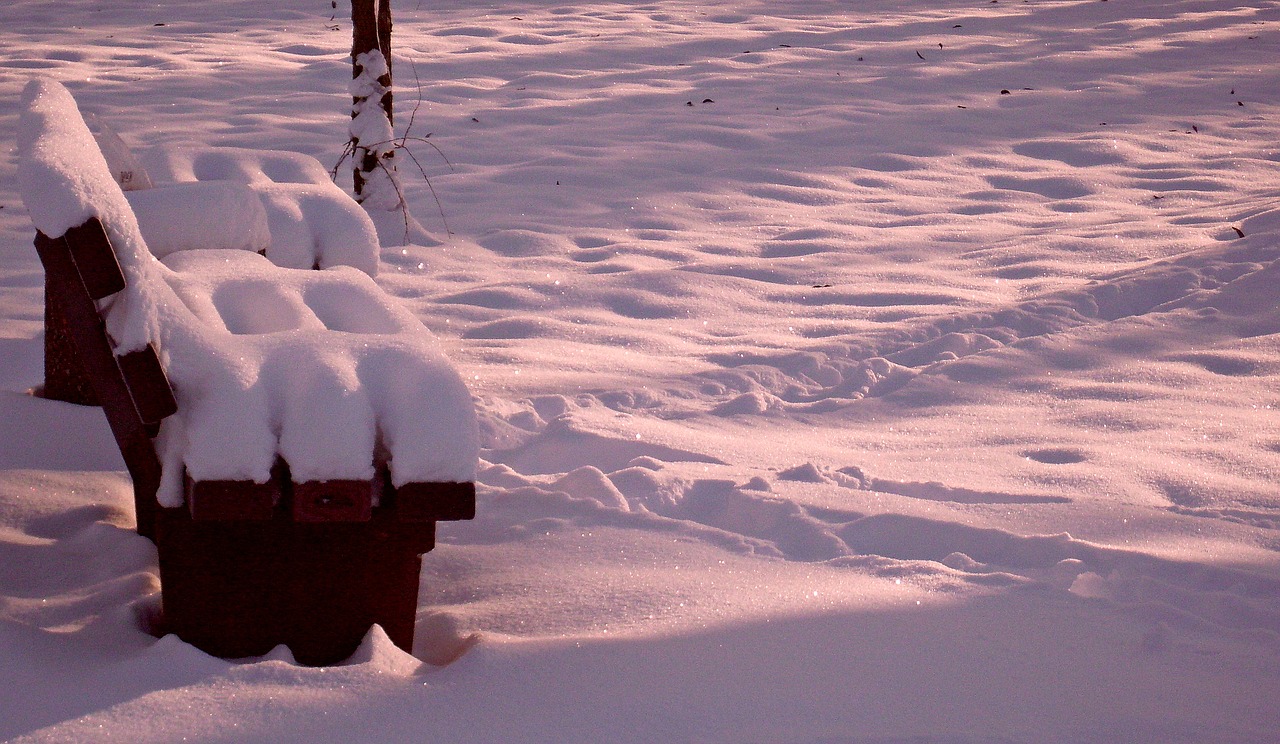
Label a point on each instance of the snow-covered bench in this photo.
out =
(198, 197)
(292, 435)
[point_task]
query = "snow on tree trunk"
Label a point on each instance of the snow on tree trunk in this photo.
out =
(372, 135)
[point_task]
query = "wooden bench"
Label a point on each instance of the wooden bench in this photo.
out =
(244, 566)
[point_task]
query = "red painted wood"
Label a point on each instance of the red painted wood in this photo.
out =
(334, 501)
(236, 589)
(232, 500)
(97, 268)
(95, 260)
(426, 502)
(64, 379)
(148, 385)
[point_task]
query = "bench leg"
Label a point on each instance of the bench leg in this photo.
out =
(236, 589)
(64, 377)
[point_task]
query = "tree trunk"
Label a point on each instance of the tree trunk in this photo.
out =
(384, 43)
(370, 31)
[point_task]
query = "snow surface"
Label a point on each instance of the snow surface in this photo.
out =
(827, 393)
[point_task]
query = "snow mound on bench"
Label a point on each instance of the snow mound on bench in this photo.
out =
(200, 216)
(312, 222)
(320, 367)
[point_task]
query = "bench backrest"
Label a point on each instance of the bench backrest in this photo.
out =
(81, 268)
(67, 188)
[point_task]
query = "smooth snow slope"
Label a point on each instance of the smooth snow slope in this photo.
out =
(828, 393)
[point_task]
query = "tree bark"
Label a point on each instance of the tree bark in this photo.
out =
(384, 43)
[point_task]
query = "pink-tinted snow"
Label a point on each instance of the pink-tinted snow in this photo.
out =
(827, 392)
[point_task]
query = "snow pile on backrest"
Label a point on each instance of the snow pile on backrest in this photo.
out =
(202, 215)
(312, 222)
(64, 180)
(320, 367)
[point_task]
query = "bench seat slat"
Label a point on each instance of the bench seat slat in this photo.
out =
(334, 500)
(232, 500)
(429, 502)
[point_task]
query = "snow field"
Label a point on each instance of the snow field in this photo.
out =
(780, 318)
